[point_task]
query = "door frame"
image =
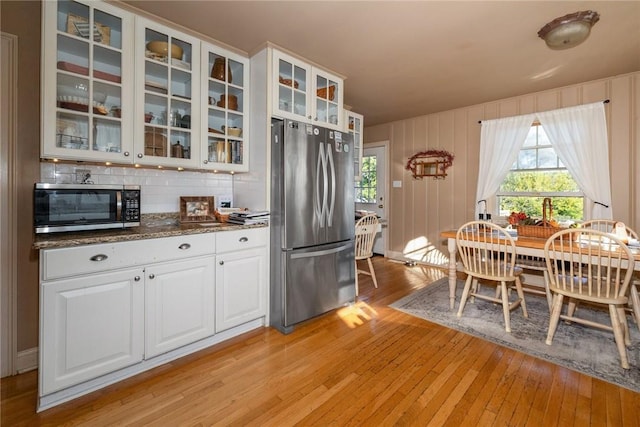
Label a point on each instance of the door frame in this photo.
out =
(385, 228)
(8, 203)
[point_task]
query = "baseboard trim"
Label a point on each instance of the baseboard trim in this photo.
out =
(27, 360)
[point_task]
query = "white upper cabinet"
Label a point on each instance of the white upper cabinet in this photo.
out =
(167, 119)
(225, 113)
(306, 93)
(87, 88)
(355, 125)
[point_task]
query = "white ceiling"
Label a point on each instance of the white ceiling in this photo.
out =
(409, 58)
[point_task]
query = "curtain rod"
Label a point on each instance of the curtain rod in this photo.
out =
(606, 101)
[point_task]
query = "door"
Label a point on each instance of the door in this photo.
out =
(91, 325)
(371, 189)
(241, 291)
(340, 207)
(179, 304)
(317, 280)
(317, 191)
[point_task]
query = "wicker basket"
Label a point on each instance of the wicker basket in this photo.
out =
(541, 231)
(545, 229)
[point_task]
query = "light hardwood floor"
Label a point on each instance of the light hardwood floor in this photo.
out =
(367, 365)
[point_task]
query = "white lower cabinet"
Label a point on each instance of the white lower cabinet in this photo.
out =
(241, 277)
(240, 287)
(90, 326)
(179, 304)
(109, 311)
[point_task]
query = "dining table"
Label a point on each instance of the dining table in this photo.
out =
(526, 246)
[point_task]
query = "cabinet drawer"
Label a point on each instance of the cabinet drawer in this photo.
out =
(67, 262)
(229, 241)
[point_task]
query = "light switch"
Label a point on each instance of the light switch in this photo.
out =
(397, 184)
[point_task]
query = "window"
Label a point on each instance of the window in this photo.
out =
(536, 174)
(366, 188)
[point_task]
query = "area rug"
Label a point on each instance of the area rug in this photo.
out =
(580, 348)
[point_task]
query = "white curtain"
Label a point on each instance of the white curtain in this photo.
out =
(579, 137)
(500, 142)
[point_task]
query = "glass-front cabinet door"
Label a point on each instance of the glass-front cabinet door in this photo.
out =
(225, 83)
(355, 125)
(327, 95)
(168, 96)
(292, 84)
(87, 94)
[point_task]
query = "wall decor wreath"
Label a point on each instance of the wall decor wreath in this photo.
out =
(432, 163)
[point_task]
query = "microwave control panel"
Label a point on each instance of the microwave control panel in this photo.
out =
(131, 205)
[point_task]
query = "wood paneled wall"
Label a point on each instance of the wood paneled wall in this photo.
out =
(420, 209)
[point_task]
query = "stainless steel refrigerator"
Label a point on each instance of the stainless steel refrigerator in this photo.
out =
(312, 222)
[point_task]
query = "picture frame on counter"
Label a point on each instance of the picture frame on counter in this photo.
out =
(197, 209)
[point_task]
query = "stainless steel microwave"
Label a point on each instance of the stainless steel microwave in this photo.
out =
(74, 207)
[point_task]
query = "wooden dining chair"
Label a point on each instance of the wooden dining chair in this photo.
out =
(488, 253)
(608, 226)
(587, 265)
(366, 230)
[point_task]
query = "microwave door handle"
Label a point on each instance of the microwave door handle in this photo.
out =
(119, 205)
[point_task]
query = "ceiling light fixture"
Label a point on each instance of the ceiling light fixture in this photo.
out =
(569, 30)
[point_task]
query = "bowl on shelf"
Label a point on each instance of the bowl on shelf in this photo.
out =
(233, 131)
(162, 48)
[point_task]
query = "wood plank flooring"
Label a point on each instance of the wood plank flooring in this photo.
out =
(364, 365)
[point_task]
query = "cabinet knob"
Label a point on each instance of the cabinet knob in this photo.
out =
(309, 117)
(126, 154)
(221, 263)
(139, 155)
(99, 257)
(184, 246)
(205, 161)
(152, 276)
(136, 279)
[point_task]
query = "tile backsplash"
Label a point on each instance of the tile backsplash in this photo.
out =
(160, 189)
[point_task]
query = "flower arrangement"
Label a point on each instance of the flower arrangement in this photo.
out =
(520, 218)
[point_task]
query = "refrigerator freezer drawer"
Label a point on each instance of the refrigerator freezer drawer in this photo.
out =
(317, 280)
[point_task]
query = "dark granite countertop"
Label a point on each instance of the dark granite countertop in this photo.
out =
(152, 226)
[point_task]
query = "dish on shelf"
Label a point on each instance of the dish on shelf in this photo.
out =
(97, 108)
(156, 87)
(163, 49)
(322, 92)
(288, 82)
(212, 130)
(181, 64)
(78, 69)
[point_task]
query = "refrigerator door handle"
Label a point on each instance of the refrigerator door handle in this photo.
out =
(332, 168)
(319, 253)
(317, 206)
(322, 164)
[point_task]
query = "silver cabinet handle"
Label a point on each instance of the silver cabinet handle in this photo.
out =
(152, 276)
(221, 263)
(99, 257)
(136, 279)
(184, 246)
(139, 155)
(126, 154)
(243, 239)
(205, 161)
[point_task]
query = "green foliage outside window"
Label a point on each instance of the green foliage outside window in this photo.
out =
(366, 188)
(564, 207)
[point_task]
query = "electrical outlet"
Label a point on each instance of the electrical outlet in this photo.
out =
(83, 176)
